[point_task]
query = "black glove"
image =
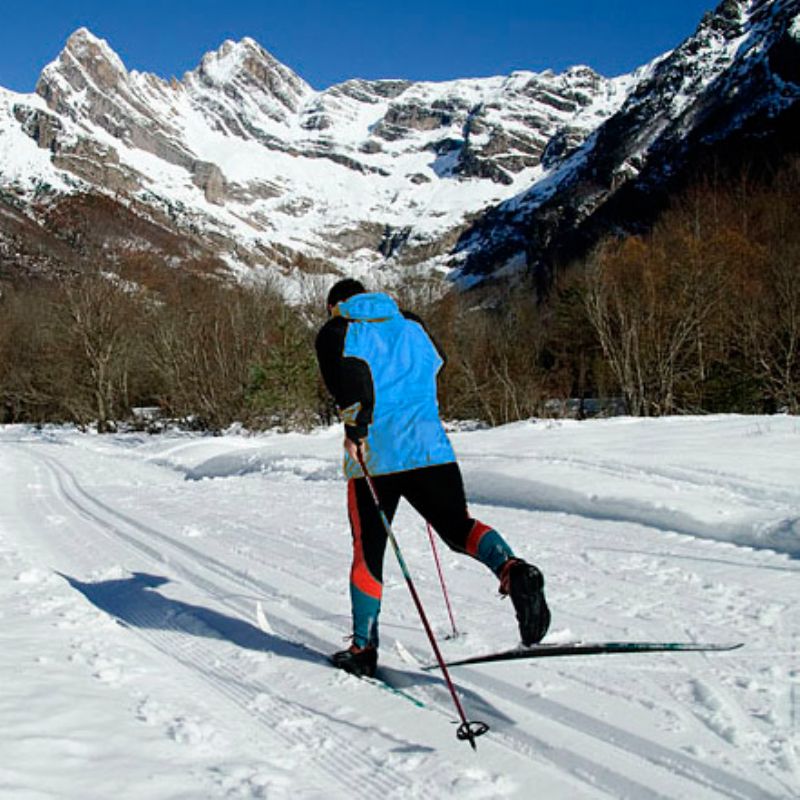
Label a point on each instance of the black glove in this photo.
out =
(355, 433)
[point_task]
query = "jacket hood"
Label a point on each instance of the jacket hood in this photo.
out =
(368, 307)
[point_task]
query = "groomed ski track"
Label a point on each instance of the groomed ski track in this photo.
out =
(181, 564)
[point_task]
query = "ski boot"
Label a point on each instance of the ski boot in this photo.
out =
(525, 584)
(360, 661)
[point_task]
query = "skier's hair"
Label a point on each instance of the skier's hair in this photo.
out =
(344, 290)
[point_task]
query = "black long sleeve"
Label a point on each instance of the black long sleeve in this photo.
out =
(348, 379)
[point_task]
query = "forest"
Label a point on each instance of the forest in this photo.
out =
(699, 314)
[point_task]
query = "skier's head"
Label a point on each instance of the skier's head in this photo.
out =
(344, 290)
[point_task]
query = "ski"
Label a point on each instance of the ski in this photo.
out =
(587, 649)
(378, 681)
(381, 682)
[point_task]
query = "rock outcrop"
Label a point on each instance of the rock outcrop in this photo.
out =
(247, 161)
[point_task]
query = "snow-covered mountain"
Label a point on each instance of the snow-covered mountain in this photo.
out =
(242, 165)
(727, 95)
(245, 152)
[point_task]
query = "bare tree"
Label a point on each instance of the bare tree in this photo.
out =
(101, 313)
(650, 300)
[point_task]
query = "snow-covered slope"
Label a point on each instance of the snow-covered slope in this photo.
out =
(729, 93)
(251, 152)
(131, 664)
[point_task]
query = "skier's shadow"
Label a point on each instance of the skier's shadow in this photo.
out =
(436, 689)
(134, 602)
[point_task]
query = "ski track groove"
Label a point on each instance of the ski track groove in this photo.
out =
(659, 755)
(733, 711)
(355, 773)
(712, 695)
(347, 765)
(591, 772)
(523, 743)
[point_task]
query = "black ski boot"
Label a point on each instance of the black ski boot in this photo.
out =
(361, 661)
(525, 584)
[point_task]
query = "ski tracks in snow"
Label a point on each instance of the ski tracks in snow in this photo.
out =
(352, 752)
(561, 741)
(275, 722)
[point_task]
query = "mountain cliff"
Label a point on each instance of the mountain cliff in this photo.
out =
(240, 166)
(727, 96)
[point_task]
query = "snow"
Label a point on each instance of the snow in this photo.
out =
(131, 664)
(262, 131)
(22, 163)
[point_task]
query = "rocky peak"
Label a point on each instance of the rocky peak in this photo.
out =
(89, 84)
(245, 68)
(85, 63)
(96, 56)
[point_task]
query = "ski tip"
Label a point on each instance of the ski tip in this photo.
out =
(404, 654)
(261, 619)
(709, 646)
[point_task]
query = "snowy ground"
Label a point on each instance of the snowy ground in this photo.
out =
(131, 665)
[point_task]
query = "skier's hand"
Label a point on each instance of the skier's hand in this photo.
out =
(352, 448)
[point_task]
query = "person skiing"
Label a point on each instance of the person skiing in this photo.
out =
(380, 365)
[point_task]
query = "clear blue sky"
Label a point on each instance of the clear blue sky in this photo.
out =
(327, 41)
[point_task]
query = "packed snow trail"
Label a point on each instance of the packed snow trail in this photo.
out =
(178, 537)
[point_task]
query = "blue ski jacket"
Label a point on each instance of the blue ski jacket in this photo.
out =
(380, 365)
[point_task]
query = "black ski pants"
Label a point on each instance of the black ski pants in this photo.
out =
(437, 493)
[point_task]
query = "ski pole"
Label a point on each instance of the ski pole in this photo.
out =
(467, 731)
(441, 579)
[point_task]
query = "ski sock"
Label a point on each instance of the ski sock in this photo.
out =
(488, 546)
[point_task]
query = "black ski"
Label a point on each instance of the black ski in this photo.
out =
(586, 649)
(380, 680)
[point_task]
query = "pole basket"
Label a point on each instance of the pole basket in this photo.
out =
(469, 731)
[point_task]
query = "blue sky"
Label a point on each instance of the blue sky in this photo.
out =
(327, 42)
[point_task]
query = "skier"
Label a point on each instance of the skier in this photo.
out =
(380, 365)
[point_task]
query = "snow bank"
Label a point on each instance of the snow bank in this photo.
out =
(728, 478)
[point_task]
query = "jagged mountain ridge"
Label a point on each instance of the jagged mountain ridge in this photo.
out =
(727, 96)
(241, 165)
(259, 167)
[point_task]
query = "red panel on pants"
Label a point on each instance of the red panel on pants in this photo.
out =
(360, 575)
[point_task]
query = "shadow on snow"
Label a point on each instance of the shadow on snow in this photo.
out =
(134, 602)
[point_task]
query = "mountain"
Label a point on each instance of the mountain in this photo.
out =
(241, 167)
(250, 166)
(726, 97)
